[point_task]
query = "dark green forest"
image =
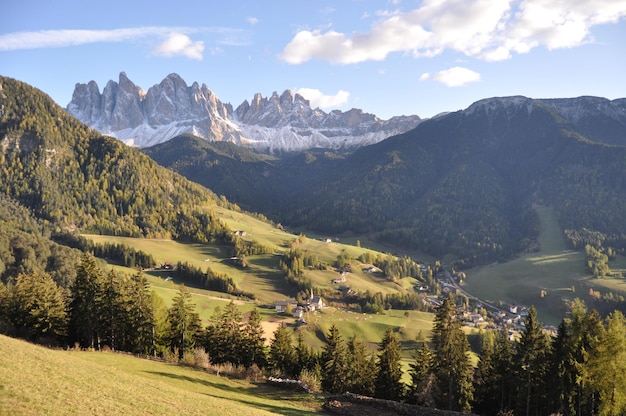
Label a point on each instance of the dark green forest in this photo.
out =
(461, 186)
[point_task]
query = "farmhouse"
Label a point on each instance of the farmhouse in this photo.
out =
(316, 303)
(285, 305)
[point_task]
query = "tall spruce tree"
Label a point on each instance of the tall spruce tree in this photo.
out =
(362, 368)
(160, 325)
(282, 357)
(84, 312)
(531, 360)
(493, 383)
(254, 350)
(334, 363)
(113, 312)
(423, 387)
(607, 366)
(184, 322)
(451, 364)
(141, 325)
(306, 359)
(37, 308)
(389, 378)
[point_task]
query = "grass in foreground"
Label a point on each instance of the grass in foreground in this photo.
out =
(39, 381)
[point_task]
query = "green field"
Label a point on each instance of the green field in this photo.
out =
(263, 278)
(558, 272)
(39, 381)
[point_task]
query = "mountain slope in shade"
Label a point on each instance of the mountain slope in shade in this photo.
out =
(464, 183)
(283, 122)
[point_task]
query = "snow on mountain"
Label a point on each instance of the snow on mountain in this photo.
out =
(277, 123)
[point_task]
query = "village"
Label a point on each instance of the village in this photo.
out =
(474, 312)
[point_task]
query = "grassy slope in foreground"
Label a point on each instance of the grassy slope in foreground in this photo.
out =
(38, 381)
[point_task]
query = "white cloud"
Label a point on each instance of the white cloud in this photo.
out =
(488, 29)
(454, 77)
(65, 38)
(252, 20)
(179, 44)
(425, 76)
(318, 99)
(62, 38)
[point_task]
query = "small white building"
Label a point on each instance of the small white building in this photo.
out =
(284, 305)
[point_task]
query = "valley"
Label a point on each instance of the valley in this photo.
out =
(367, 266)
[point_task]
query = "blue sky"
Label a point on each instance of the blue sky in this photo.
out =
(385, 57)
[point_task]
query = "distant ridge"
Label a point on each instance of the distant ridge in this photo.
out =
(283, 122)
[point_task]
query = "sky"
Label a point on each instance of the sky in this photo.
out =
(389, 58)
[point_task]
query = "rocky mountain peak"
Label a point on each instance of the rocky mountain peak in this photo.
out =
(282, 122)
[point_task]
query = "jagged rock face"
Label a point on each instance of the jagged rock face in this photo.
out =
(277, 123)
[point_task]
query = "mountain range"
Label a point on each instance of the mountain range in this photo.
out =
(278, 123)
(463, 184)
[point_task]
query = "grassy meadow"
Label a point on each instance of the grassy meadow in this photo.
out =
(263, 278)
(40, 381)
(542, 278)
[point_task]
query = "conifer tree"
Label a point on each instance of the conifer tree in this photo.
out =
(231, 335)
(86, 294)
(160, 325)
(607, 366)
(493, 382)
(112, 312)
(451, 364)
(362, 369)
(423, 388)
(334, 363)
(282, 356)
(388, 380)
(254, 350)
(306, 359)
(184, 322)
(37, 307)
(141, 325)
(531, 371)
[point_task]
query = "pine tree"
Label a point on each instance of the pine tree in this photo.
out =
(282, 356)
(607, 366)
(531, 359)
(231, 334)
(254, 350)
(184, 322)
(451, 364)
(334, 363)
(86, 294)
(388, 381)
(37, 307)
(362, 369)
(141, 326)
(112, 313)
(423, 389)
(492, 379)
(160, 325)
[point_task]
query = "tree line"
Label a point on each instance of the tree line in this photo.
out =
(579, 371)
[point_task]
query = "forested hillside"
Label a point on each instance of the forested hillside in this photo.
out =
(462, 185)
(72, 177)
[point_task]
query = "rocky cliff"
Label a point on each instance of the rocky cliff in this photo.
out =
(283, 122)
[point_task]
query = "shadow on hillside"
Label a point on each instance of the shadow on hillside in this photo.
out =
(238, 394)
(267, 272)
